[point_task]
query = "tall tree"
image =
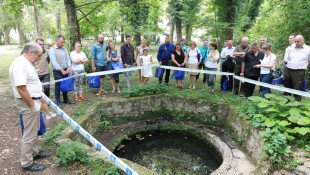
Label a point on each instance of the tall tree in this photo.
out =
(37, 19)
(73, 22)
(227, 12)
(175, 9)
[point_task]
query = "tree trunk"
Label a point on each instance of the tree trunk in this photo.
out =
(122, 35)
(137, 38)
(73, 22)
(188, 32)
(171, 31)
(37, 20)
(58, 22)
(1, 35)
(22, 38)
(7, 36)
(178, 27)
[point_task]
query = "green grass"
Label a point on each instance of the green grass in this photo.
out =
(8, 53)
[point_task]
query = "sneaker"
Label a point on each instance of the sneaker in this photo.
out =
(50, 116)
(118, 91)
(113, 91)
(34, 167)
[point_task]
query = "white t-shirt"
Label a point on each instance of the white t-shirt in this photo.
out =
(192, 56)
(210, 63)
(75, 56)
(228, 51)
(267, 60)
(22, 72)
(146, 60)
(298, 58)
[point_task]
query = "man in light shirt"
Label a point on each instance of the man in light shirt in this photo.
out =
(27, 90)
(61, 64)
(227, 66)
(298, 58)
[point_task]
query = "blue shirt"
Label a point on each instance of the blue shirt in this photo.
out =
(204, 50)
(184, 48)
(98, 53)
(164, 52)
(55, 64)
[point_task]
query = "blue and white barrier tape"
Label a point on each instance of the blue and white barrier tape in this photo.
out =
(280, 88)
(114, 159)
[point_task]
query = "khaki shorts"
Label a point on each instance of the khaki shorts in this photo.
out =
(193, 66)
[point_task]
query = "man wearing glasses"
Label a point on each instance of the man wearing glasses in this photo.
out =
(27, 90)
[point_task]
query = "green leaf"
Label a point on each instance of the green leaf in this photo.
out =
(294, 104)
(302, 130)
(293, 131)
(270, 123)
(303, 121)
(284, 123)
(270, 96)
(284, 114)
(262, 105)
(272, 109)
(255, 98)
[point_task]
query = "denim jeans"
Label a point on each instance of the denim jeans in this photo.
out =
(128, 75)
(58, 75)
(211, 77)
(266, 78)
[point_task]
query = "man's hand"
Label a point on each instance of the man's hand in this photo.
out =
(68, 70)
(63, 72)
(160, 62)
(242, 74)
(36, 105)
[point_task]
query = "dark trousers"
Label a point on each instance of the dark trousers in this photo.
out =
(46, 88)
(237, 71)
(58, 75)
(293, 79)
(228, 66)
(201, 65)
(248, 87)
(167, 76)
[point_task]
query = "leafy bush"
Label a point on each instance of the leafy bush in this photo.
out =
(68, 152)
(283, 123)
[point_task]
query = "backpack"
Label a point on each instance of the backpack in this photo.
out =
(198, 54)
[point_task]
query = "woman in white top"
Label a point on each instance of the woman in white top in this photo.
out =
(193, 60)
(211, 65)
(145, 60)
(78, 59)
(139, 52)
(267, 65)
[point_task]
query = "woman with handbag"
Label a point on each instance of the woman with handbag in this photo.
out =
(178, 60)
(113, 58)
(267, 65)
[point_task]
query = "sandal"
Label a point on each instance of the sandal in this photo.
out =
(99, 93)
(77, 99)
(82, 97)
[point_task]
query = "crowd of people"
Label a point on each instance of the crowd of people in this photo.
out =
(31, 69)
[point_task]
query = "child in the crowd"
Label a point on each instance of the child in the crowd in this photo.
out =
(78, 59)
(145, 60)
